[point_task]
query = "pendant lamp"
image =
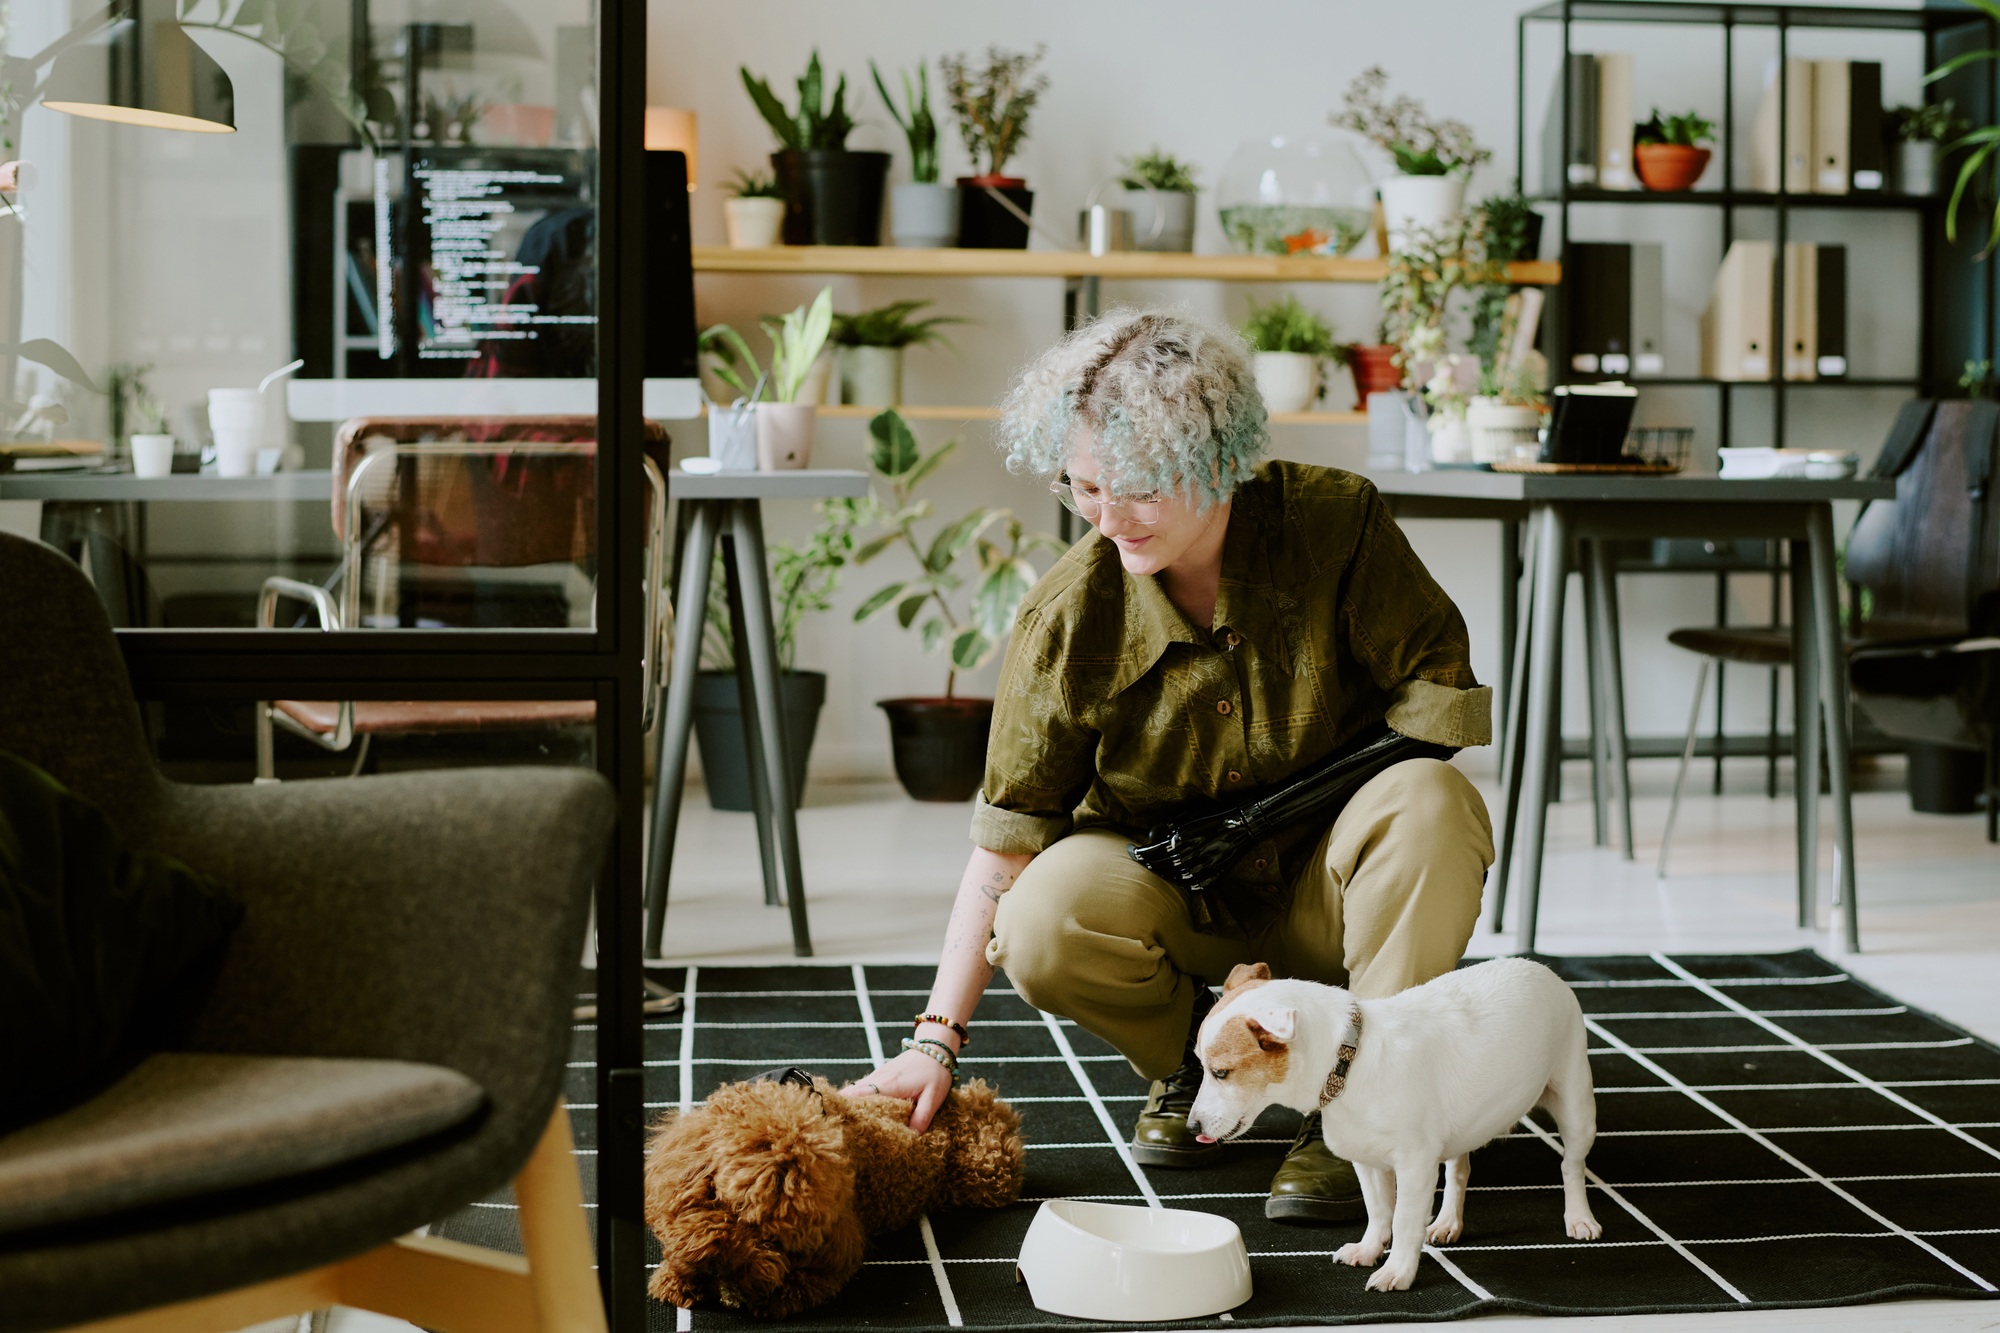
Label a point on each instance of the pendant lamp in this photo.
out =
(178, 85)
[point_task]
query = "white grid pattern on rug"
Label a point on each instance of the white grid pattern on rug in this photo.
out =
(1751, 1124)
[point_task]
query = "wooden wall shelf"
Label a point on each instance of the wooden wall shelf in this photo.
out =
(936, 412)
(888, 261)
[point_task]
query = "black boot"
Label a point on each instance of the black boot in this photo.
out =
(1312, 1185)
(1162, 1136)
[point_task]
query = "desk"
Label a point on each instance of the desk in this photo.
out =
(1563, 509)
(726, 507)
(124, 487)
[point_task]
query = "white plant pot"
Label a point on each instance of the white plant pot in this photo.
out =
(1451, 442)
(754, 224)
(152, 455)
(785, 436)
(923, 216)
(1171, 211)
(1916, 168)
(1495, 429)
(871, 376)
(1289, 381)
(732, 437)
(1426, 203)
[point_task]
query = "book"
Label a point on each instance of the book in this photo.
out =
(1614, 122)
(1867, 137)
(1795, 98)
(1830, 312)
(1587, 422)
(1829, 126)
(1526, 320)
(1801, 327)
(1578, 168)
(1736, 325)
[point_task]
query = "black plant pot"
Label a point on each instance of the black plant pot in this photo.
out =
(984, 222)
(939, 745)
(833, 196)
(718, 731)
(1944, 780)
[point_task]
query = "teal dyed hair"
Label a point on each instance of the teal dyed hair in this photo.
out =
(1167, 402)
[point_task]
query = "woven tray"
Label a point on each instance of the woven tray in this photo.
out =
(1630, 469)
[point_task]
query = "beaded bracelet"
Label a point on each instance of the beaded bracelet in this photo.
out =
(964, 1037)
(937, 1051)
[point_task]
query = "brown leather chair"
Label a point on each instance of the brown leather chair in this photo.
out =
(418, 502)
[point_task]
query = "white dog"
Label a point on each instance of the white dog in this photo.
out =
(1405, 1083)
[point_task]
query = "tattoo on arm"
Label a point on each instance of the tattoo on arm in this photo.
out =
(996, 884)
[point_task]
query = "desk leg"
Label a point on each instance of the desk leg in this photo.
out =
(1833, 686)
(1805, 732)
(1611, 684)
(1510, 611)
(762, 648)
(746, 706)
(670, 772)
(1515, 704)
(1544, 667)
(1593, 682)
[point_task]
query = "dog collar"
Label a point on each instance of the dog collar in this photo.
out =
(1336, 1082)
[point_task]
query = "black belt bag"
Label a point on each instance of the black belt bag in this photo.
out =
(1196, 853)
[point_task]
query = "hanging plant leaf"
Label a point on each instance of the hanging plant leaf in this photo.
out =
(893, 449)
(876, 601)
(970, 648)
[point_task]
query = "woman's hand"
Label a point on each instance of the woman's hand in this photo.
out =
(914, 1077)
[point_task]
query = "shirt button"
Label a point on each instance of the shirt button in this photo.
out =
(1234, 776)
(1232, 638)
(1260, 863)
(1222, 706)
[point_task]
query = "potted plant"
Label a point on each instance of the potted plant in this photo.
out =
(871, 347)
(1158, 190)
(833, 194)
(802, 581)
(755, 212)
(992, 103)
(939, 742)
(1417, 312)
(1433, 157)
(781, 399)
(1667, 150)
(1287, 343)
(1919, 131)
(923, 214)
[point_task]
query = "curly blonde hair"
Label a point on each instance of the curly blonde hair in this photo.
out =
(1169, 401)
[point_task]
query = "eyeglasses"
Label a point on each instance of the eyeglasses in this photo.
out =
(1143, 508)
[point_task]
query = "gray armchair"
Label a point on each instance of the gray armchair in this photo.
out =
(411, 939)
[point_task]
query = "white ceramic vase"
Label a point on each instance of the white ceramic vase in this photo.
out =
(1419, 203)
(754, 224)
(871, 376)
(1289, 381)
(1171, 211)
(785, 436)
(152, 455)
(923, 216)
(1916, 168)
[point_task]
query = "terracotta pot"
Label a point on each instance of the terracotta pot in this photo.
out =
(1375, 371)
(1670, 166)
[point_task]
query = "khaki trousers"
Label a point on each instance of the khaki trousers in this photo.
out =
(1389, 900)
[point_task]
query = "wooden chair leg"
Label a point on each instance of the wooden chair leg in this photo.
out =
(555, 1232)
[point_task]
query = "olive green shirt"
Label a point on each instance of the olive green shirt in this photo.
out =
(1114, 709)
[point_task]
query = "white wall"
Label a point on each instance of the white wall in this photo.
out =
(1199, 79)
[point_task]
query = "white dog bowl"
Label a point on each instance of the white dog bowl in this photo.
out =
(1113, 1261)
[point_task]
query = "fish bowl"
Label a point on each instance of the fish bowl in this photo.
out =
(1291, 195)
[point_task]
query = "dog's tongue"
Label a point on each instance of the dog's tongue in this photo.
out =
(1203, 1138)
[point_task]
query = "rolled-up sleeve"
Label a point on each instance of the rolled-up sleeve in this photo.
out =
(1413, 640)
(1040, 761)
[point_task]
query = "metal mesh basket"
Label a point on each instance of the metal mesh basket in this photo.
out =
(1661, 446)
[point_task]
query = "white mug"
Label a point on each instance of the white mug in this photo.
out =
(236, 416)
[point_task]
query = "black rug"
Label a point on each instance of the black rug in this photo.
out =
(1772, 1133)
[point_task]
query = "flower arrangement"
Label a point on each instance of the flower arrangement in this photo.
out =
(1158, 170)
(918, 126)
(1401, 127)
(992, 102)
(1417, 302)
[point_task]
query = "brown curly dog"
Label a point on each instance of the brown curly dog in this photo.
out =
(765, 1197)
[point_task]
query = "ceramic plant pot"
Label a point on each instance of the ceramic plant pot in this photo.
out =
(1170, 211)
(986, 224)
(1375, 371)
(833, 196)
(1496, 429)
(785, 436)
(1419, 203)
(871, 376)
(725, 752)
(732, 437)
(1670, 166)
(754, 224)
(939, 745)
(1289, 381)
(923, 216)
(1916, 168)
